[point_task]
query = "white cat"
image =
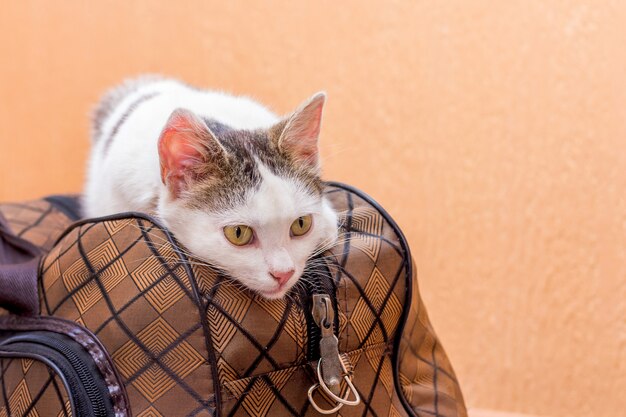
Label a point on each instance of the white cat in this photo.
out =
(238, 186)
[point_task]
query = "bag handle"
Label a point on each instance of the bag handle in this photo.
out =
(19, 267)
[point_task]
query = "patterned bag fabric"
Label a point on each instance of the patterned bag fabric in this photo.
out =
(169, 336)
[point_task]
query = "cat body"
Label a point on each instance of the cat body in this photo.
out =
(238, 186)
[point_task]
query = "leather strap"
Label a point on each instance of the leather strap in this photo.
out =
(19, 265)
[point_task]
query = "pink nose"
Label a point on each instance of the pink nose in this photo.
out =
(282, 276)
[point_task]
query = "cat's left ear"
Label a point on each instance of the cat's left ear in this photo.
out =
(300, 135)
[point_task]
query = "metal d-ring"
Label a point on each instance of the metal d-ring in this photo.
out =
(346, 378)
(317, 407)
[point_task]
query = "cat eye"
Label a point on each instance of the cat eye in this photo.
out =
(238, 235)
(301, 225)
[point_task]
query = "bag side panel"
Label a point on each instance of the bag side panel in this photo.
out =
(427, 379)
(422, 372)
(124, 280)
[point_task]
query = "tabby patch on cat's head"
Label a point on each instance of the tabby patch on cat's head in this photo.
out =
(248, 184)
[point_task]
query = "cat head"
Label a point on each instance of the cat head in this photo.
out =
(247, 202)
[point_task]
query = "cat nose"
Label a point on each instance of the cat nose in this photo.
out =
(282, 276)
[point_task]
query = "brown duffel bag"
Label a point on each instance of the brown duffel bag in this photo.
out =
(110, 317)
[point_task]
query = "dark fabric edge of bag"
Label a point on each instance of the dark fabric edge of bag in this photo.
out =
(408, 278)
(89, 342)
(22, 276)
(66, 204)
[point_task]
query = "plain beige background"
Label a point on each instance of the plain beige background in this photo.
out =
(493, 131)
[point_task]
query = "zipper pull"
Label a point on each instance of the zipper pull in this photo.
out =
(331, 367)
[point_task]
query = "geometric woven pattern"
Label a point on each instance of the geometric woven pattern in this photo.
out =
(153, 382)
(150, 412)
(189, 341)
(77, 276)
(367, 226)
(254, 343)
(20, 401)
(259, 396)
(165, 293)
(377, 291)
(424, 370)
(39, 221)
(30, 388)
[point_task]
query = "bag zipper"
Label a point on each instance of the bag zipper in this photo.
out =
(87, 392)
(324, 344)
(317, 281)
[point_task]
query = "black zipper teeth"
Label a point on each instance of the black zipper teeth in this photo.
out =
(314, 332)
(85, 378)
(317, 281)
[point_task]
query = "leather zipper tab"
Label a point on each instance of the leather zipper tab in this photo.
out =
(324, 316)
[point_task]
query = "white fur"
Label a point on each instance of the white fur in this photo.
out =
(127, 178)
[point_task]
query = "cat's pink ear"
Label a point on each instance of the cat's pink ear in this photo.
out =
(299, 138)
(188, 150)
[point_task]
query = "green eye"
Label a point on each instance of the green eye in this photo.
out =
(301, 225)
(238, 235)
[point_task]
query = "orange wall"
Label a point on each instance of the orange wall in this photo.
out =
(494, 131)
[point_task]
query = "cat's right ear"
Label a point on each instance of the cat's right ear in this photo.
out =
(300, 134)
(188, 151)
